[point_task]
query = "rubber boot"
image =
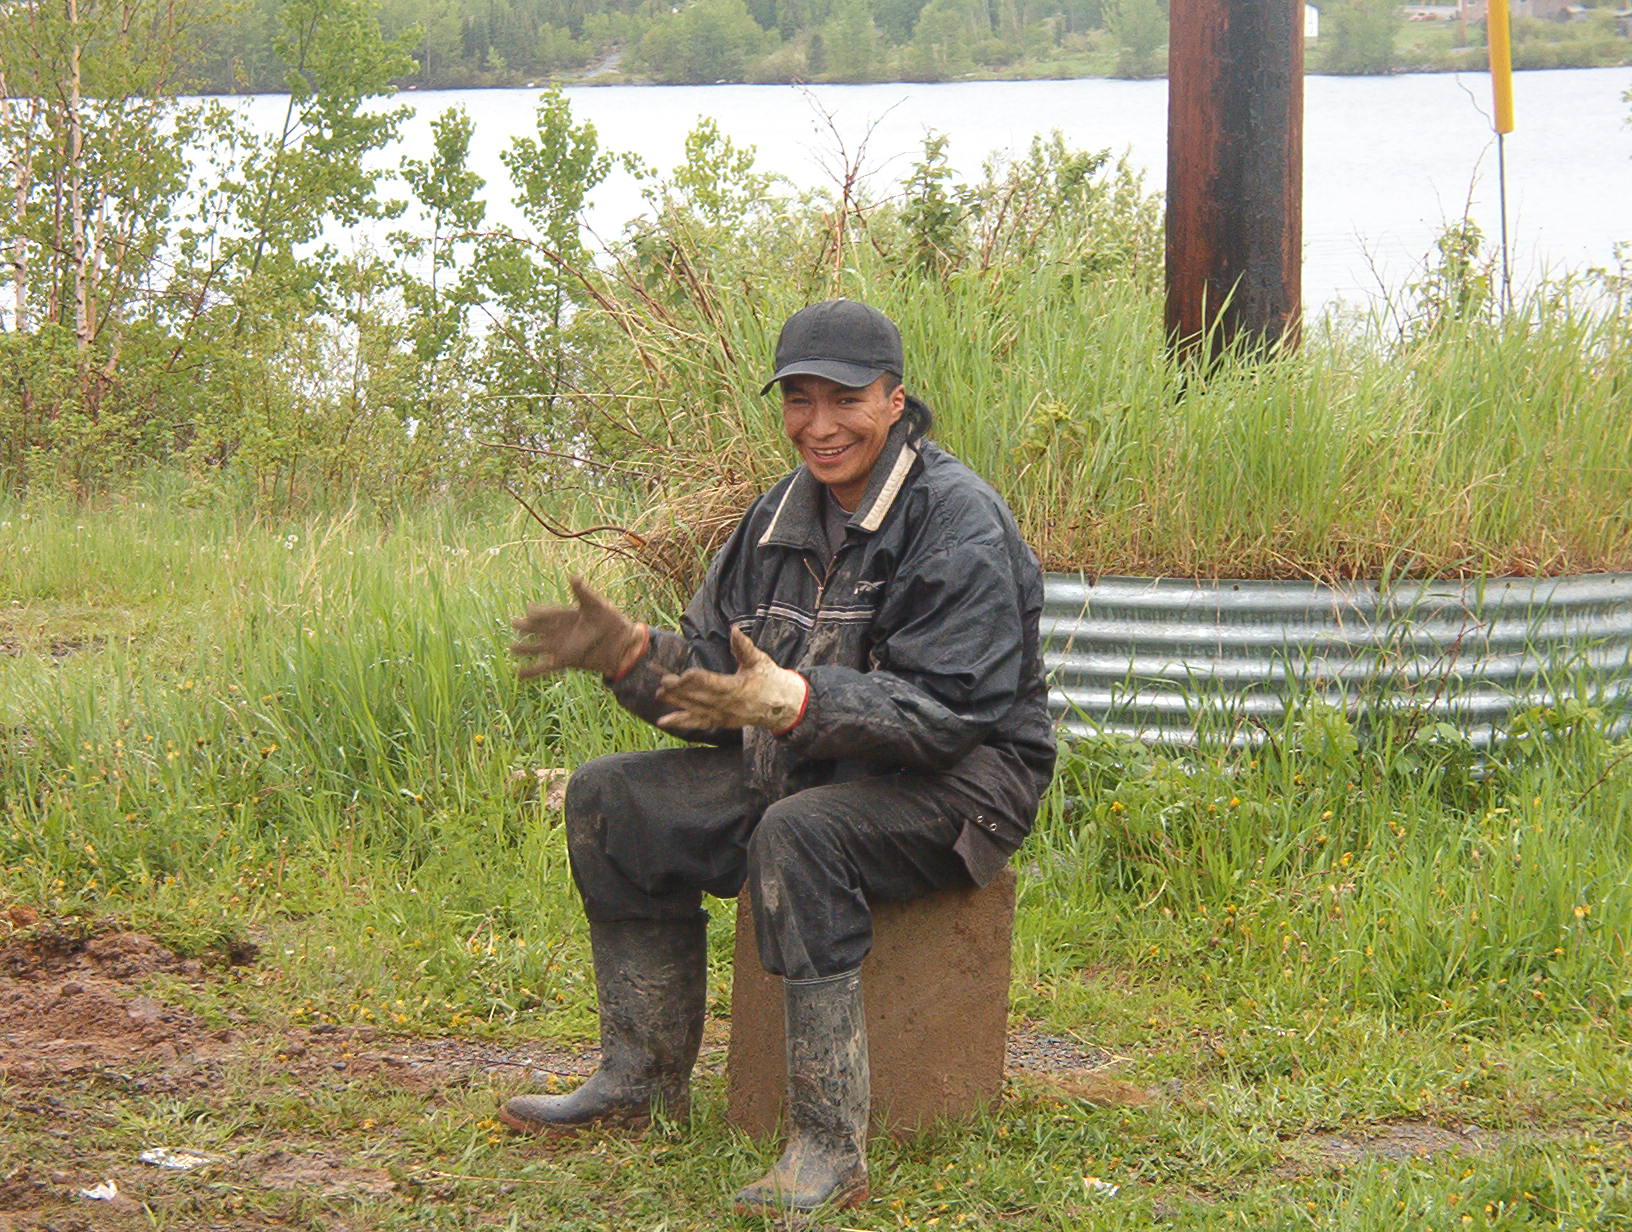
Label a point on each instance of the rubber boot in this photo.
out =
(651, 981)
(825, 1163)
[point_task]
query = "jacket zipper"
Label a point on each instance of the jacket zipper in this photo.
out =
(823, 578)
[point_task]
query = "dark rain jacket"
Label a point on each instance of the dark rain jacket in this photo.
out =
(919, 639)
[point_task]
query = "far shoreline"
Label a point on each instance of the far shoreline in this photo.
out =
(601, 81)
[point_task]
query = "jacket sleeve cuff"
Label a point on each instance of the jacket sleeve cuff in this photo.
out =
(636, 687)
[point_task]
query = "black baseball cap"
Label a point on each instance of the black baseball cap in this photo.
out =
(842, 340)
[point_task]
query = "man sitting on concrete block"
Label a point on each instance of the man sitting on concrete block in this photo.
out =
(862, 668)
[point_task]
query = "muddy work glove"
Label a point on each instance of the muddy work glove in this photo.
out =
(760, 694)
(594, 636)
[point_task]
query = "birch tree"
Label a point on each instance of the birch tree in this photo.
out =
(157, 246)
(90, 133)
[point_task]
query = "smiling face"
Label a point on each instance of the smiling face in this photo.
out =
(838, 430)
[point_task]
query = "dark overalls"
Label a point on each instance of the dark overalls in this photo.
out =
(923, 750)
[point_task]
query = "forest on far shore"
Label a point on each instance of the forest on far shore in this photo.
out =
(472, 43)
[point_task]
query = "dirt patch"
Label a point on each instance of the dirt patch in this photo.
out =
(57, 648)
(1396, 1140)
(32, 1202)
(77, 1016)
(328, 1055)
(1106, 1091)
(118, 956)
(312, 1172)
(73, 1005)
(20, 1192)
(1066, 1067)
(68, 1007)
(1031, 1051)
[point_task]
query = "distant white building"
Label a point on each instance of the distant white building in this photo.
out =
(1311, 22)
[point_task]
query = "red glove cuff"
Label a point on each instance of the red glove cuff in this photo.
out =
(638, 655)
(804, 704)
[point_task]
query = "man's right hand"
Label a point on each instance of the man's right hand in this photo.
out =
(594, 636)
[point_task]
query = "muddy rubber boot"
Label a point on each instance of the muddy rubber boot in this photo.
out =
(651, 981)
(825, 1163)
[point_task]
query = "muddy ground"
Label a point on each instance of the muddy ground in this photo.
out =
(88, 1045)
(98, 1067)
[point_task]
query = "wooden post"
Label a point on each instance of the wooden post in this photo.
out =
(936, 987)
(1234, 173)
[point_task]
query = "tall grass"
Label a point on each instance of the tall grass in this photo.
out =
(1457, 442)
(259, 722)
(1407, 878)
(308, 732)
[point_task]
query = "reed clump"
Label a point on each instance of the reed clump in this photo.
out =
(1442, 437)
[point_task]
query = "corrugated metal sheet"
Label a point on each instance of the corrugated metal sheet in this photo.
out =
(1169, 661)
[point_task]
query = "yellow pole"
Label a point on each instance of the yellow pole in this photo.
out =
(1499, 41)
(1499, 37)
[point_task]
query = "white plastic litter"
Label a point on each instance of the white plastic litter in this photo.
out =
(1093, 1185)
(107, 1191)
(181, 1160)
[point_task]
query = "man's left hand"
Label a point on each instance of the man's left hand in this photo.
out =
(759, 694)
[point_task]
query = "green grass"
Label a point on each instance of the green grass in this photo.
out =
(305, 734)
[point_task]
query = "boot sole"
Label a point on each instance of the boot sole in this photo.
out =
(840, 1201)
(564, 1129)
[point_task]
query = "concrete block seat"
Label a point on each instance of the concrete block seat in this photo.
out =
(936, 986)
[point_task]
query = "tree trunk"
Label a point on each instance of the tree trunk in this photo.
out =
(53, 303)
(84, 321)
(21, 176)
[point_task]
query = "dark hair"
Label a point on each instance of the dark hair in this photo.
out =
(920, 419)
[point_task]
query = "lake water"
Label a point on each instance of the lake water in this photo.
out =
(1387, 160)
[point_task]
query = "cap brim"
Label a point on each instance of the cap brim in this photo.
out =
(852, 376)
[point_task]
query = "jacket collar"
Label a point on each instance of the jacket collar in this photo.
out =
(797, 522)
